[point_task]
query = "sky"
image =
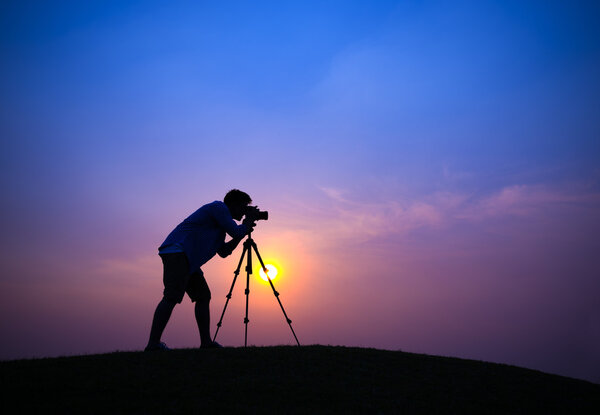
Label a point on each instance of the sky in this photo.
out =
(431, 171)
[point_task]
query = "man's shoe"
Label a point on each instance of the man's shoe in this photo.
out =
(211, 345)
(156, 347)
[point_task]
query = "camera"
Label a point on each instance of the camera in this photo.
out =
(254, 213)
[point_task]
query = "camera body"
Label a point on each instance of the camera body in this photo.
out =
(254, 213)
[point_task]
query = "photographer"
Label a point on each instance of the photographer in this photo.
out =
(189, 246)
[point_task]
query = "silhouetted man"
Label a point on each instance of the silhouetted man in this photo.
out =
(189, 246)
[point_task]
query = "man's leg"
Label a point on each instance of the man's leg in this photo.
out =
(161, 318)
(202, 313)
(175, 279)
(199, 292)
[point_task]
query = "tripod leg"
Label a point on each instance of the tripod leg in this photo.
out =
(274, 292)
(236, 273)
(249, 242)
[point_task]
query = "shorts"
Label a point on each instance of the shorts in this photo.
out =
(178, 280)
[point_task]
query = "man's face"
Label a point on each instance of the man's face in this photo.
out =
(238, 211)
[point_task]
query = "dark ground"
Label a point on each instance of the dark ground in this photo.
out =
(286, 379)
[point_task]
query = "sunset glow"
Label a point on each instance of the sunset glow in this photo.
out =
(270, 274)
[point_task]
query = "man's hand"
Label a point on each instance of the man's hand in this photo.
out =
(250, 224)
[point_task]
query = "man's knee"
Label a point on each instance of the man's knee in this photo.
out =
(197, 288)
(201, 296)
(171, 299)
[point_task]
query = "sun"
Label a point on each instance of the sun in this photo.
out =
(270, 274)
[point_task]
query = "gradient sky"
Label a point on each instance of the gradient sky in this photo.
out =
(431, 168)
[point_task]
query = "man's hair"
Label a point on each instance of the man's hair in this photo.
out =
(237, 197)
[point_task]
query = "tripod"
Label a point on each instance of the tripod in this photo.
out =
(249, 245)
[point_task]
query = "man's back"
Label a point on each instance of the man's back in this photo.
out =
(202, 233)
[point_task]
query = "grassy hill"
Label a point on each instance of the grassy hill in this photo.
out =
(286, 379)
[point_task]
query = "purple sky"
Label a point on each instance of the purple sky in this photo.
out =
(432, 172)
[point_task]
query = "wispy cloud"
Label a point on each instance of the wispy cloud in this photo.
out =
(343, 217)
(526, 200)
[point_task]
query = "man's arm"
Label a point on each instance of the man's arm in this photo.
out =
(223, 217)
(228, 247)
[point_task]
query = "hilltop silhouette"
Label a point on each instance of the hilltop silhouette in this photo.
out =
(287, 379)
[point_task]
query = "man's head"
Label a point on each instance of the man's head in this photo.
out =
(237, 201)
